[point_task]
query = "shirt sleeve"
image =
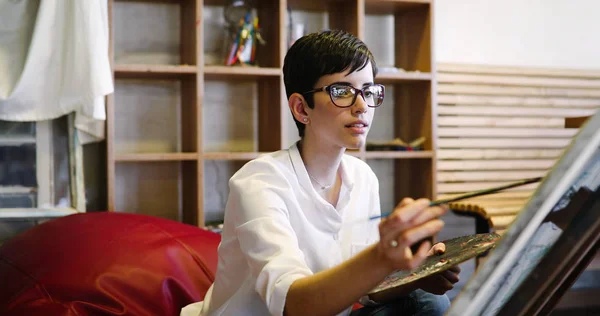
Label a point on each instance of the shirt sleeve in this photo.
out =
(258, 199)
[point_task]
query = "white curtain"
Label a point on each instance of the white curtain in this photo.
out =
(54, 61)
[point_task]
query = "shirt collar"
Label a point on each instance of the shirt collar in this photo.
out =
(304, 179)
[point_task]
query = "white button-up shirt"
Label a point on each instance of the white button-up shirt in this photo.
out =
(278, 229)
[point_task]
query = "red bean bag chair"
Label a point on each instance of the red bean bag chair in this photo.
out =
(106, 264)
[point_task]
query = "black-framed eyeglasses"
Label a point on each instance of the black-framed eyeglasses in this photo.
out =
(343, 95)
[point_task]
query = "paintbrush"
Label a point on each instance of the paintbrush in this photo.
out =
(472, 194)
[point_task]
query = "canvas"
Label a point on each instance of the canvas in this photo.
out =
(531, 236)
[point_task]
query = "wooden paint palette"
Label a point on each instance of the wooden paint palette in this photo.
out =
(458, 250)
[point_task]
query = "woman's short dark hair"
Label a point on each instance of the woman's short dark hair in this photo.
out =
(317, 54)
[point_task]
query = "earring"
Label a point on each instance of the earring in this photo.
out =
(305, 120)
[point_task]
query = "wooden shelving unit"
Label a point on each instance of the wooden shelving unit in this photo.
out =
(176, 121)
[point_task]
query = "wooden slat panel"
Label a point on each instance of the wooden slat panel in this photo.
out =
(495, 196)
(491, 121)
(449, 176)
(473, 186)
(512, 111)
(498, 153)
(502, 143)
(520, 81)
(524, 71)
(506, 132)
(517, 101)
(501, 124)
(516, 91)
(538, 164)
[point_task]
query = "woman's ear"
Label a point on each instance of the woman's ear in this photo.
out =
(298, 107)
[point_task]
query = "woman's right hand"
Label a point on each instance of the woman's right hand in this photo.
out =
(410, 222)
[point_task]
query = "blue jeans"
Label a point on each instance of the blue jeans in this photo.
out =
(417, 303)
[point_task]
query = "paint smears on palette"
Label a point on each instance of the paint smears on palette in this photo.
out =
(458, 250)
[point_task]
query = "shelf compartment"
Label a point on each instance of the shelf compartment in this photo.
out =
(171, 185)
(140, 157)
(406, 114)
(216, 35)
(235, 72)
(242, 115)
(404, 34)
(149, 71)
(154, 32)
(150, 116)
(328, 14)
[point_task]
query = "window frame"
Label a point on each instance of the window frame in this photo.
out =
(45, 153)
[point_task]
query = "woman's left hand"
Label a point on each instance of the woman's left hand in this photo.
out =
(444, 281)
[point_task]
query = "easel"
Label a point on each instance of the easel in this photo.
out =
(564, 263)
(550, 243)
(574, 251)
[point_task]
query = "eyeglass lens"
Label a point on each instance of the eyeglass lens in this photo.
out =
(345, 96)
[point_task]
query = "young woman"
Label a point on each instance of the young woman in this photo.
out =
(290, 242)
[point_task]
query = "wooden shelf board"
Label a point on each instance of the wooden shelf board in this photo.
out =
(372, 6)
(409, 76)
(139, 157)
(147, 71)
(151, 1)
(398, 154)
(225, 72)
(214, 2)
(308, 5)
(392, 6)
(231, 155)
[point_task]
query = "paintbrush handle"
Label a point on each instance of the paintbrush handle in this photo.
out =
(473, 194)
(486, 191)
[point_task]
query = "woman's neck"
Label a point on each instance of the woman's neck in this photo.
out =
(322, 162)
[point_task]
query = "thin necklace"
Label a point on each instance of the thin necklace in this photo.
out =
(323, 187)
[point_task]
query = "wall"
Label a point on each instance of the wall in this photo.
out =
(539, 33)
(543, 33)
